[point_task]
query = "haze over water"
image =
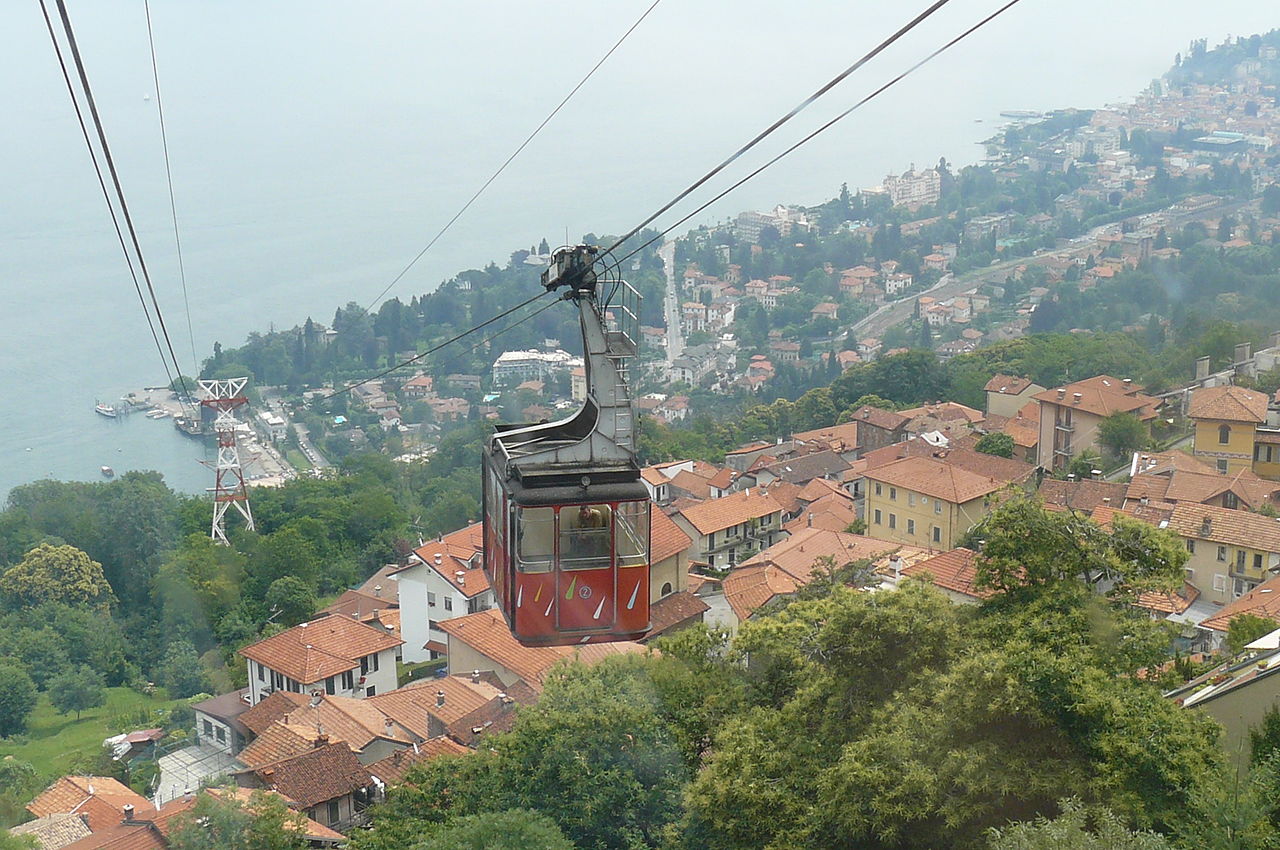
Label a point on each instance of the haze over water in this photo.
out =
(317, 147)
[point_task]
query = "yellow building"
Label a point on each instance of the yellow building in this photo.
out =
(928, 502)
(1231, 551)
(1228, 432)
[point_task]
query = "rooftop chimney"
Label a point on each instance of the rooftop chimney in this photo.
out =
(1075, 397)
(438, 559)
(475, 677)
(1202, 368)
(1128, 383)
(128, 812)
(461, 576)
(322, 739)
(810, 519)
(377, 590)
(439, 698)
(1206, 525)
(388, 725)
(1062, 392)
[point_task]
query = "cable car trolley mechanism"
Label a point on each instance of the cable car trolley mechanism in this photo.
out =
(566, 515)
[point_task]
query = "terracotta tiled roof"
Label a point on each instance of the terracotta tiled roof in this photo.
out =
(723, 479)
(100, 798)
(819, 488)
(1262, 601)
(937, 478)
(359, 605)
(692, 484)
(1223, 525)
(324, 647)
(1082, 496)
(841, 438)
(53, 831)
(786, 566)
(946, 411)
(1200, 487)
(1007, 384)
(673, 610)
(382, 577)
(832, 513)
(886, 420)
(271, 709)
(279, 741)
(411, 705)
(786, 494)
(457, 551)
(487, 633)
(666, 539)
(359, 722)
(325, 773)
(1163, 463)
(955, 571)
(391, 770)
(1228, 404)
(803, 469)
(121, 836)
(1168, 603)
(1103, 396)
(748, 448)
(717, 514)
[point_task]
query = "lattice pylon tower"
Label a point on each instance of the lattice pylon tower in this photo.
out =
(224, 396)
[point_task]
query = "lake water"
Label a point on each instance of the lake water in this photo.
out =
(317, 146)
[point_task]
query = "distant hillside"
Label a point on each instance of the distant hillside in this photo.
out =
(1229, 61)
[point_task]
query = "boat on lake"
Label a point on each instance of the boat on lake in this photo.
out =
(105, 410)
(108, 472)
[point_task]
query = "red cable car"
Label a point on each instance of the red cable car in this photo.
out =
(566, 516)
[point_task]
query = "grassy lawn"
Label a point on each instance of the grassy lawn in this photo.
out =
(52, 740)
(297, 460)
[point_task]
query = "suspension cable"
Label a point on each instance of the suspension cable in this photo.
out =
(102, 183)
(830, 123)
(433, 349)
(796, 110)
(513, 155)
(119, 191)
(168, 174)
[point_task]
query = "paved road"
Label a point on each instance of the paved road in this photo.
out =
(899, 311)
(308, 448)
(671, 302)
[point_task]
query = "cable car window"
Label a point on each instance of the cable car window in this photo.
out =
(586, 537)
(631, 534)
(537, 537)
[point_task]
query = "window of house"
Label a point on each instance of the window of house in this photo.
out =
(1224, 434)
(1191, 546)
(911, 499)
(1222, 553)
(1257, 561)
(431, 599)
(1222, 466)
(333, 811)
(879, 489)
(893, 520)
(666, 588)
(262, 673)
(220, 734)
(330, 686)
(1189, 574)
(1219, 582)
(937, 506)
(448, 603)
(937, 534)
(370, 691)
(349, 680)
(878, 521)
(208, 728)
(911, 526)
(1229, 499)
(893, 494)
(1240, 559)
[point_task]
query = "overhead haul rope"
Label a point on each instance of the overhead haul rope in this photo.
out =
(830, 123)
(509, 159)
(796, 110)
(115, 217)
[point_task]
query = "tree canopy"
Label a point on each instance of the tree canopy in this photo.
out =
(62, 574)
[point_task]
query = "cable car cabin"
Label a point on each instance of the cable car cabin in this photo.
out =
(566, 516)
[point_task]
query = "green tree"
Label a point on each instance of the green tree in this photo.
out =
(17, 698)
(513, 829)
(1122, 434)
(76, 690)
(1264, 739)
(292, 598)
(1075, 829)
(222, 822)
(181, 671)
(995, 443)
(1025, 546)
(62, 574)
(1246, 628)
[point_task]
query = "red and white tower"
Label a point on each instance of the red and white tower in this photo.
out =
(224, 396)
